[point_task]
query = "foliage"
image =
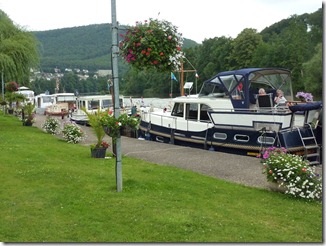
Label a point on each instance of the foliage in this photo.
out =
(112, 125)
(313, 73)
(18, 50)
(152, 44)
(94, 121)
(11, 86)
(72, 133)
(292, 172)
(51, 125)
(304, 96)
(60, 185)
(29, 111)
(102, 144)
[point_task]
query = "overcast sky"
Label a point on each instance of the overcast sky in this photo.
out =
(196, 20)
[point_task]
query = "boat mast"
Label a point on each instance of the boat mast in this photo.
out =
(182, 71)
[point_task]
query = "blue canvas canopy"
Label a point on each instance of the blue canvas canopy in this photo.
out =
(242, 85)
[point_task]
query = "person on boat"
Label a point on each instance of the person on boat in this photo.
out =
(261, 92)
(280, 100)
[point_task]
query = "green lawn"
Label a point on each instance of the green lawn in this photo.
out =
(52, 191)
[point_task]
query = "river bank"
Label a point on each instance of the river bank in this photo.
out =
(235, 168)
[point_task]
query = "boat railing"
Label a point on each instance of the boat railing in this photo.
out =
(273, 110)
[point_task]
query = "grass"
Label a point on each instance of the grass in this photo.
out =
(52, 191)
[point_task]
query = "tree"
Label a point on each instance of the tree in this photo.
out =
(244, 45)
(18, 51)
(313, 73)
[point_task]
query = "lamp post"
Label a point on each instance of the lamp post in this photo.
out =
(115, 53)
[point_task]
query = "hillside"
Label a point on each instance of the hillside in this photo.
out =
(86, 47)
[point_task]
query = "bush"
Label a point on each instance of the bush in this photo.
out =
(51, 125)
(292, 172)
(72, 133)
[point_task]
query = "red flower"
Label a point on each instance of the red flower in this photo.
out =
(270, 172)
(304, 169)
(161, 53)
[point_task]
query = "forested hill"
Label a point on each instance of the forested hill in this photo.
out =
(85, 47)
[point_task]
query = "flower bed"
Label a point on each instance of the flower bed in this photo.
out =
(292, 172)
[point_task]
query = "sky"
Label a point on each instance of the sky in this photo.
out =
(197, 20)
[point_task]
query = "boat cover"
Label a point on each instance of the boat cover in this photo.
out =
(306, 106)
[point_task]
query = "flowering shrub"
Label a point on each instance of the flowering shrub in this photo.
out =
(51, 125)
(292, 172)
(72, 133)
(304, 96)
(112, 126)
(152, 44)
(11, 86)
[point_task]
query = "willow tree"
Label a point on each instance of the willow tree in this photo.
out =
(18, 51)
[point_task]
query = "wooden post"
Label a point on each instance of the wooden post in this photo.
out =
(182, 92)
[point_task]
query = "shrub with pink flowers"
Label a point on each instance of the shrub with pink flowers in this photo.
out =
(11, 86)
(152, 44)
(291, 171)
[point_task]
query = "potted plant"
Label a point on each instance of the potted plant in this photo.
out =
(29, 114)
(304, 96)
(113, 126)
(153, 44)
(291, 172)
(98, 150)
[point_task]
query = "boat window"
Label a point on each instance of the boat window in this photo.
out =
(234, 84)
(191, 111)
(220, 135)
(215, 89)
(93, 104)
(47, 99)
(241, 138)
(177, 110)
(121, 103)
(265, 140)
(203, 112)
(107, 103)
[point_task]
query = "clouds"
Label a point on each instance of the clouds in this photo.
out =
(196, 20)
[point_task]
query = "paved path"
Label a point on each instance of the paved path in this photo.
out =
(235, 168)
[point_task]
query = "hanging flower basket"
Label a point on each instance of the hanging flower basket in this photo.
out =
(154, 44)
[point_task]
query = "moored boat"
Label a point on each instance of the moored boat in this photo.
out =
(91, 104)
(61, 105)
(229, 115)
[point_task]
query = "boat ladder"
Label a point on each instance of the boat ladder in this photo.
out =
(310, 145)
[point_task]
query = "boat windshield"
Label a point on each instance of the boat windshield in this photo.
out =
(213, 88)
(276, 80)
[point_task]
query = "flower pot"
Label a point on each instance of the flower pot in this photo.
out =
(27, 123)
(98, 152)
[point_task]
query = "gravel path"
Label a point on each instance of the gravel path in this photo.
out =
(235, 168)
